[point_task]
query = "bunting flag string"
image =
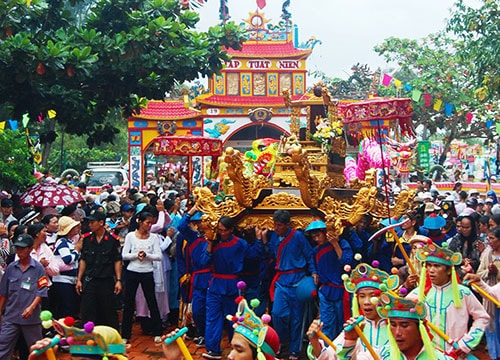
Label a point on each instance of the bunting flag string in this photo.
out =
(437, 105)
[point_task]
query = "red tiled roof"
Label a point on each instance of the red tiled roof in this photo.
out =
(269, 49)
(246, 101)
(167, 110)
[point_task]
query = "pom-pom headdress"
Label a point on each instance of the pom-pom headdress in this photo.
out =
(254, 329)
(431, 252)
(91, 340)
(391, 306)
(366, 276)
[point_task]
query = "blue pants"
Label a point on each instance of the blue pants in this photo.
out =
(199, 308)
(9, 333)
(218, 306)
(287, 316)
(332, 315)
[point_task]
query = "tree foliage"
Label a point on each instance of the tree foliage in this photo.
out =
(456, 67)
(479, 32)
(16, 165)
(86, 58)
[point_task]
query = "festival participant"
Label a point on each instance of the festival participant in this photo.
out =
(225, 255)
(466, 242)
(197, 275)
(51, 222)
(21, 291)
(294, 259)
(99, 273)
(489, 272)
(140, 249)
(364, 282)
(41, 251)
(331, 254)
(253, 338)
(434, 224)
(449, 303)
(408, 335)
(67, 252)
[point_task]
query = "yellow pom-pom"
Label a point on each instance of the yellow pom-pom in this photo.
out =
(344, 277)
(358, 256)
(374, 300)
(47, 324)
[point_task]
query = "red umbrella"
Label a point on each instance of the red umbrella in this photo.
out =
(50, 194)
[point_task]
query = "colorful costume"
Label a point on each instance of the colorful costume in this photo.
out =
(294, 258)
(199, 274)
(226, 261)
(331, 291)
(450, 305)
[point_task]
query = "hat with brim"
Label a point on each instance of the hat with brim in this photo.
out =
(434, 222)
(29, 216)
(197, 216)
(23, 241)
(431, 207)
(419, 239)
(66, 224)
(315, 225)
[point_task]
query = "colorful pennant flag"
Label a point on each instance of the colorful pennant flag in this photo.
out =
(448, 109)
(13, 124)
(408, 87)
(2, 126)
(437, 104)
(386, 79)
(489, 124)
(25, 120)
(261, 4)
(427, 99)
(469, 117)
(397, 83)
(415, 95)
(52, 114)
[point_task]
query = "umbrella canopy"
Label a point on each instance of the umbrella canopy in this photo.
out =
(50, 194)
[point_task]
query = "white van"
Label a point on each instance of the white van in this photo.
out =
(106, 172)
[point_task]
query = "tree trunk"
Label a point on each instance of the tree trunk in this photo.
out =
(47, 146)
(451, 137)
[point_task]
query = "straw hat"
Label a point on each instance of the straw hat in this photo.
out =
(66, 224)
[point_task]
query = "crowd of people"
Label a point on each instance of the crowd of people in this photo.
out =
(149, 254)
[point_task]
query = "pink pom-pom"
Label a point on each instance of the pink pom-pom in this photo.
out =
(88, 327)
(375, 263)
(241, 285)
(70, 340)
(266, 318)
(235, 325)
(347, 268)
(412, 310)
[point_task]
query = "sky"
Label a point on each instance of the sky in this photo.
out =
(348, 29)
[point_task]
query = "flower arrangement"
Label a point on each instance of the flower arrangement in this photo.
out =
(326, 130)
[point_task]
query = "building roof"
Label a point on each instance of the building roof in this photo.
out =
(245, 101)
(270, 49)
(167, 110)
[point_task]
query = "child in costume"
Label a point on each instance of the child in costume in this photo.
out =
(365, 283)
(253, 339)
(449, 304)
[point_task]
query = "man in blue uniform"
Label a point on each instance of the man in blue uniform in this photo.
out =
(294, 260)
(22, 288)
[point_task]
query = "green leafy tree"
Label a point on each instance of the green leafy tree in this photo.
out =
(84, 59)
(478, 29)
(16, 164)
(438, 70)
